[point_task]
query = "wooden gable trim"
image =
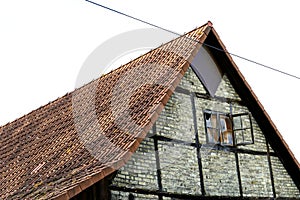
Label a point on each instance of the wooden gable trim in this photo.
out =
(251, 101)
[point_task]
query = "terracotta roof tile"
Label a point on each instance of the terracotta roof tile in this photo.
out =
(64, 147)
(67, 145)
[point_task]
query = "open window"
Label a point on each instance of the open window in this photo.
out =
(243, 131)
(218, 128)
(228, 130)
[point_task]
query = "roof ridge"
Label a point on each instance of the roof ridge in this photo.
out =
(180, 35)
(32, 111)
(102, 76)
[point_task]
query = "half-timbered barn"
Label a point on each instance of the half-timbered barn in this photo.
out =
(179, 122)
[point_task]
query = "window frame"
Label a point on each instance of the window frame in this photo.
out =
(220, 131)
(243, 129)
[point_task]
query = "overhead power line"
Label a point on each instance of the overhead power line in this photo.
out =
(173, 32)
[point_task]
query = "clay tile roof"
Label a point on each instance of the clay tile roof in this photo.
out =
(67, 145)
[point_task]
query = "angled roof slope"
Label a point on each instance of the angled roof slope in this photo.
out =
(71, 143)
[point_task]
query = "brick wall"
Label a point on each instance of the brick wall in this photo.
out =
(174, 165)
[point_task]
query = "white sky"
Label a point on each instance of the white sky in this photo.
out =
(43, 45)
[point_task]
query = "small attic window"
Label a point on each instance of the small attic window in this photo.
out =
(222, 129)
(243, 129)
(218, 128)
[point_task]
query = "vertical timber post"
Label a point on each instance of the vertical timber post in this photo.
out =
(192, 96)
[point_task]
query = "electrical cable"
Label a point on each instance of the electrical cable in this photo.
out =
(216, 48)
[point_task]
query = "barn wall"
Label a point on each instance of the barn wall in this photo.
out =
(176, 163)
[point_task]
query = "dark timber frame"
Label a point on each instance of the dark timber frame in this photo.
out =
(158, 169)
(197, 145)
(188, 196)
(270, 168)
(252, 103)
